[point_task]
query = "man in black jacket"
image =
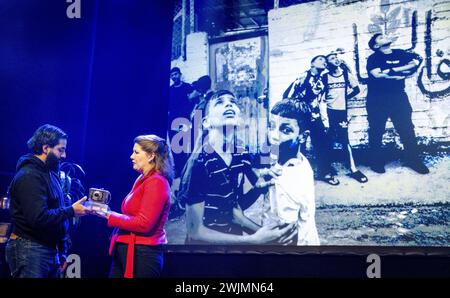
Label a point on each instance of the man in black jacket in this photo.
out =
(38, 244)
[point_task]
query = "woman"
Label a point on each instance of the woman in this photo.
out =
(136, 244)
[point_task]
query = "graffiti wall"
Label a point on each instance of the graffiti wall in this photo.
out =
(299, 32)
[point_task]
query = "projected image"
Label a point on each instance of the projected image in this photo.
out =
(310, 123)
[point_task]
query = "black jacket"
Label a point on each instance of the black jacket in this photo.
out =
(37, 204)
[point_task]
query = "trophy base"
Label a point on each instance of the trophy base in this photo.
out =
(96, 207)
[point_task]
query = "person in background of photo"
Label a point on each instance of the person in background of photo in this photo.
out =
(386, 98)
(137, 242)
(292, 198)
(202, 92)
(181, 105)
(307, 88)
(38, 245)
(216, 183)
(182, 101)
(338, 81)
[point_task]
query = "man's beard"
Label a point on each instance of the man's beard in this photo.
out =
(52, 162)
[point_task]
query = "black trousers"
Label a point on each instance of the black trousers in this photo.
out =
(339, 130)
(322, 146)
(148, 261)
(399, 111)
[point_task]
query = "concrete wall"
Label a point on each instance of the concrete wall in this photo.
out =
(197, 57)
(299, 32)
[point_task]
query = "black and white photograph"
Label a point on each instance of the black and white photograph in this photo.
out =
(330, 127)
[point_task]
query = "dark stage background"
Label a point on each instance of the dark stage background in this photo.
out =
(104, 79)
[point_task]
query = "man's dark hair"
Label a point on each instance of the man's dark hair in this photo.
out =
(294, 109)
(373, 41)
(175, 69)
(203, 84)
(316, 57)
(45, 135)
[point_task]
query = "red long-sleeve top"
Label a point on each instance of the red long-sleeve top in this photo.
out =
(144, 213)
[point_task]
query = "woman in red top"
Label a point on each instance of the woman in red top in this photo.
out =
(136, 244)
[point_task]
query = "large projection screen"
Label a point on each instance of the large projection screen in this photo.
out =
(279, 139)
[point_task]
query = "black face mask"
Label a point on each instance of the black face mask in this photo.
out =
(288, 150)
(52, 162)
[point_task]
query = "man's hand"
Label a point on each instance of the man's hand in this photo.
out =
(271, 173)
(79, 208)
(387, 73)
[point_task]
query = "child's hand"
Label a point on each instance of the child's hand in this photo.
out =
(266, 177)
(271, 173)
(288, 238)
(271, 232)
(261, 183)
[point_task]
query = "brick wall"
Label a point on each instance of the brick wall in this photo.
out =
(300, 32)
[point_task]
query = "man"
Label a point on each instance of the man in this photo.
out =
(338, 81)
(180, 106)
(386, 98)
(307, 88)
(38, 244)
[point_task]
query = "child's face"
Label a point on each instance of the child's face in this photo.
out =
(333, 60)
(282, 130)
(320, 63)
(176, 77)
(223, 111)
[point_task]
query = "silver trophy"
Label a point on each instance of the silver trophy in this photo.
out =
(98, 200)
